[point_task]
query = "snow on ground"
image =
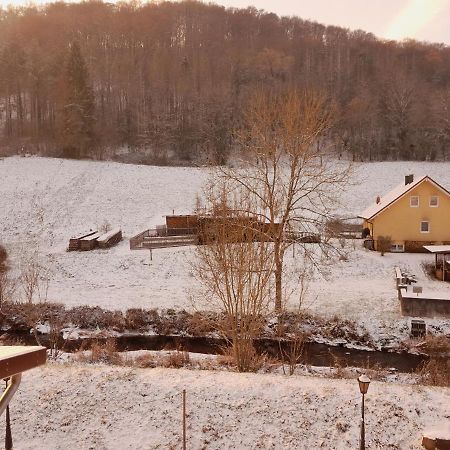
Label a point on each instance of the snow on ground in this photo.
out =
(364, 289)
(78, 406)
(44, 202)
(52, 199)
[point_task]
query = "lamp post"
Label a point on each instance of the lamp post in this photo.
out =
(363, 382)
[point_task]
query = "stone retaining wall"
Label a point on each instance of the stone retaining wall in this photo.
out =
(422, 307)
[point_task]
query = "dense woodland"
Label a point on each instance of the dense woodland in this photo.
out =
(166, 83)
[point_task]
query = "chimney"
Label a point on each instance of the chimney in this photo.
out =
(409, 179)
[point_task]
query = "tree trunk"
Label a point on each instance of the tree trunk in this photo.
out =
(278, 278)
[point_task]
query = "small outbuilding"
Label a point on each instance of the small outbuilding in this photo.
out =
(185, 224)
(441, 261)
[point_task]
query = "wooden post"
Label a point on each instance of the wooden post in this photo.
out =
(8, 434)
(184, 419)
(362, 439)
(443, 267)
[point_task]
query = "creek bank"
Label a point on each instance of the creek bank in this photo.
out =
(315, 353)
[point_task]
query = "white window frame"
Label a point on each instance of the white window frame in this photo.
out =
(427, 222)
(411, 201)
(437, 201)
(397, 248)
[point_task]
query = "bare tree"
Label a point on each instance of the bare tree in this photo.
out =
(34, 282)
(7, 288)
(33, 279)
(7, 284)
(170, 79)
(235, 271)
(57, 341)
(294, 338)
(286, 171)
(384, 244)
(29, 277)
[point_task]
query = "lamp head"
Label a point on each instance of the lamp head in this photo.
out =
(364, 382)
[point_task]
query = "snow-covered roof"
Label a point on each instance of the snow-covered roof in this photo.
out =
(394, 195)
(437, 248)
(108, 235)
(434, 295)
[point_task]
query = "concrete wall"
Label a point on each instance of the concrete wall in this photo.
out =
(424, 307)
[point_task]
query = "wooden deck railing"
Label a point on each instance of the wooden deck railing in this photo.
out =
(164, 237)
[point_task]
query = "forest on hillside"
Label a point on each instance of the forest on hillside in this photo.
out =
(166, 83)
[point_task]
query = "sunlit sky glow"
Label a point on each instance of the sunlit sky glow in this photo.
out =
(424, 20)
(416, 16)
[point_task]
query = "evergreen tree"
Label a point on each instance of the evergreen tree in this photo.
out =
(77, 128)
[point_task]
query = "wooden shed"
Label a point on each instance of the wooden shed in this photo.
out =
(442, 260)
(234, 229)
(182, 224)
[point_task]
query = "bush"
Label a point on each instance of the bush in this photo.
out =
(24, 316)
(436, 371)
(245, 355)
(384, 244)
(145, 361)
(172, 322)
(99, 352)
(141, 319)
(201, 323)
(94, 316)
(175, 360)
(3, 258)
(105, 227)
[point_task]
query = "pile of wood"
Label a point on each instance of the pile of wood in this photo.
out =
(75, 242)
(93, 239)
(89, 242)
(110, 238)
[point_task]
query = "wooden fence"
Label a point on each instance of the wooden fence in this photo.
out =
(163, 237)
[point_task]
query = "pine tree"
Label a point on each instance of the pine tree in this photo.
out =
(78, 121)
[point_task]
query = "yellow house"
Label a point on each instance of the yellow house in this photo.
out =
(414, 214)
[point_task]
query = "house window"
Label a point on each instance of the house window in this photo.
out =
(424, 226)
(414, 201)
(434, 201)
(397, 248)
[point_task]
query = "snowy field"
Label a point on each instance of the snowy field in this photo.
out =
(44, 202)
(75, 406)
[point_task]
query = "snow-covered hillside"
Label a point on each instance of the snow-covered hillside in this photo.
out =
(52, 199)
(46, 201)
(43, 202)
(101, 407)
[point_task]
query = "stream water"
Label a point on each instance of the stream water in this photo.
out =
(315, 354)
